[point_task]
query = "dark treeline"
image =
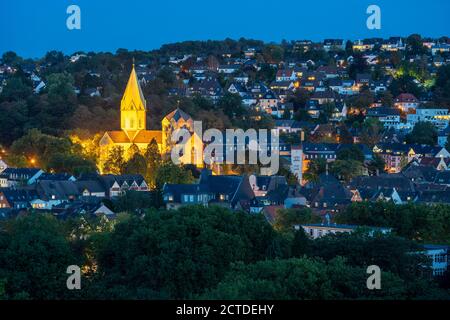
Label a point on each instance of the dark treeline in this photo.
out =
(202, 253)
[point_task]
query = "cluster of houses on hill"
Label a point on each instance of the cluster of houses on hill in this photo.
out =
(213, 76)
(23, 189)
(417, 183)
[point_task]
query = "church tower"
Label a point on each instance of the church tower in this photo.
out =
(133, 108)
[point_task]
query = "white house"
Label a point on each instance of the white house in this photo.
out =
(439, 258)
(406, 102)
(438, 116)
(228, 69)
(440, 48)
(321, 229)
(3, 166)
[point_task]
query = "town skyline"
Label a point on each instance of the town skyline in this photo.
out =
(103, 27)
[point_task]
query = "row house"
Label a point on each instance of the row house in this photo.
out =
(229, 68)
(285, 75)
(343, 87)
(440, 48)
(13, 177)
(389, 117)
(333, 45)
(362, 46)
(268, 100)
(319, 230)
(209, 88)
(327, 195)
(406, 102)
(393, 44)
(227, 191)
(440, 117)
(16, 198)
(398, 155)
(394, 187)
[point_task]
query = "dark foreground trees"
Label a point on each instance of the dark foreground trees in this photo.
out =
(198, 252)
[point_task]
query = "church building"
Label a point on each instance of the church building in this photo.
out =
(133, 115)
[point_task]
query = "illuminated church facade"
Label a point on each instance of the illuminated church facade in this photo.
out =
(133, 124)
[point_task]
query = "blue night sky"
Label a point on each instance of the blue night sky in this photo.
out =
(33, 27)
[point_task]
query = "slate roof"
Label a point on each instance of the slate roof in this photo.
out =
(18, 195)
(143, 136)
(60, 190)
(55, 176)
(420, 173)
(382, 112)
(384, 181)
(328, 190)
(24, 173)
(236, 188)
(443, 177)
(178, 114)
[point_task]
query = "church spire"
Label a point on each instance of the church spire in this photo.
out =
(133, 98)
(133, 107)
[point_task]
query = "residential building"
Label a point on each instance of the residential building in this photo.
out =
(440, 117)
(319, 230)
(13, 177)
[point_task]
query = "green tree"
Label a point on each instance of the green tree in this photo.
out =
(286, 219)
(387, 100)
(153, 161)
(177, 254)
(168, 172)
(351, 153)
(423, 133)
(442, 87)
(71, 163)
(115, 161)
(347, 169)
(231, 104)
(135, 165)
(371, 131)
(14, 119)
(376, 165)
(16, 88)
(34, 256)
(39, 148)
(315, 168)
(302, 279)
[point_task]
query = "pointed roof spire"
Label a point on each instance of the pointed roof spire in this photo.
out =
(133, 96)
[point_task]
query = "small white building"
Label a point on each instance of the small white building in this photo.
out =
(437, 116)
(439, 258)
(321, 229)
(3, 166)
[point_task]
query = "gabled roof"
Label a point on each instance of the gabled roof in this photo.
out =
(420, 173)
(61, 190)
(384, 181)
(443, 177)
(178, 114)
(19, 172)
(142, 136)
(18, 195)
(406, 98)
